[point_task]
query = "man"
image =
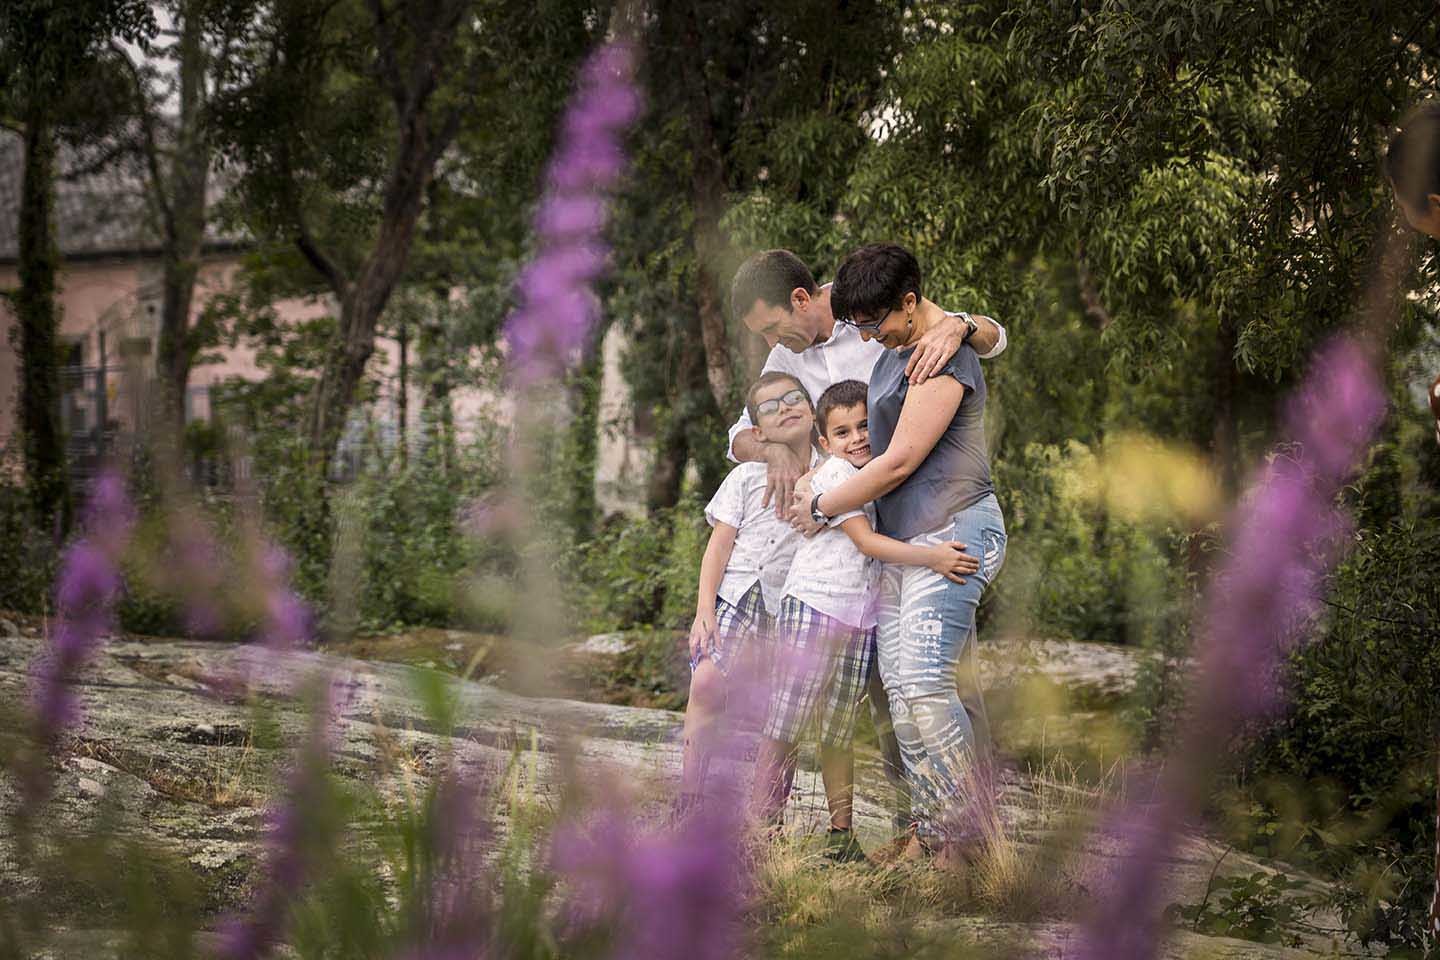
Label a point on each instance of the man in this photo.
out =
(775, 296)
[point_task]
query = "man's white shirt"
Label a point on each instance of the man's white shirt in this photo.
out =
(829, 573)
(845, 356)
(764, 544)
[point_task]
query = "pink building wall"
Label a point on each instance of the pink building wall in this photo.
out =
(121, 298)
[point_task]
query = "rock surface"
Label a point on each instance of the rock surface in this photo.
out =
(168, 747)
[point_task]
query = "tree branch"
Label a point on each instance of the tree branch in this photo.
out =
(160, 193)
(304, 239)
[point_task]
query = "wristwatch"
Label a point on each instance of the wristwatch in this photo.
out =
(970, 326)
(815, 513)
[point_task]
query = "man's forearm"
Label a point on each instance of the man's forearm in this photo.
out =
(986, 336)
(747, 447)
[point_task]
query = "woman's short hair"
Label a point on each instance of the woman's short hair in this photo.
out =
(1412, 163)
(874, 280)
(769, 276)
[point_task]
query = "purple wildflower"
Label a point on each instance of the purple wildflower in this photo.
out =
(89, 584)
(1285, 538)
(558, 307)
(453, 917)
(285, 619)
(660, 893)
(299, 831)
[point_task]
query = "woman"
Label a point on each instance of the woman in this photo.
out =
(930, 480)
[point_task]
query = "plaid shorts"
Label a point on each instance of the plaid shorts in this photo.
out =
(817, 655)
(736, 627)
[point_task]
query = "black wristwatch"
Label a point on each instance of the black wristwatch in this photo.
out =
(815, 513)
(970, 326)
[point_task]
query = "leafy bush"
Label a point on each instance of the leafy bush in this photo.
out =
(643, 571)
(29, 553)
(1358, 736)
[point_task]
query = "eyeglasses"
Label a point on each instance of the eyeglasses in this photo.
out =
(869, 325)
(792, 399)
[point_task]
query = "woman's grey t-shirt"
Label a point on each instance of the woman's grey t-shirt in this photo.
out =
(956, 474)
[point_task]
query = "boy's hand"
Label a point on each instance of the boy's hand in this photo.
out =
(701, 631)
(951, 561)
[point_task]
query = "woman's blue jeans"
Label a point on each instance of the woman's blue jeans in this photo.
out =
(926, 631)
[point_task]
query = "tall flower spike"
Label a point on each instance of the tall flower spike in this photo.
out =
(557, 305)
(299, 831)
(1284, 539)
(85, 595)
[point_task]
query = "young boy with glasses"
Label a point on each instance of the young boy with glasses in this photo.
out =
(741, 576)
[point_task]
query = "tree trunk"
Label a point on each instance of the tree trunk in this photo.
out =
(1224, 444)
(39, 325)
(707, 205)
(402, 412)
(362, 301)
(189, 177)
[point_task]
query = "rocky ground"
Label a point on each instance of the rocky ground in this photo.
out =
(173, 754)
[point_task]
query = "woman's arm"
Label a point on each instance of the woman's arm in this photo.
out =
(947, 559)
(928, 410)
(712, 570)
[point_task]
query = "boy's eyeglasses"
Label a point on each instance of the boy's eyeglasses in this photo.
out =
(792, 399)
(869, 325)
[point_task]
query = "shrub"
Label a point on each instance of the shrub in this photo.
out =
(1360, 731)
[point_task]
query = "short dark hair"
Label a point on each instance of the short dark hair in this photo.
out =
(769, 275)
(1412, 162)
(773, 376)
(873, 280)
(837, 396)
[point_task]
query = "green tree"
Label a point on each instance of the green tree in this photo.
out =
(54, 81)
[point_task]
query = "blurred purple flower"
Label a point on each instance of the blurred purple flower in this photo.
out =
(85, 594)
(286, 623)
(454, 917)
(557, 307)
(663, 893)
(1286, 534)
(300, 829)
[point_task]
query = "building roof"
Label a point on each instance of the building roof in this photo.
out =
(98, 214)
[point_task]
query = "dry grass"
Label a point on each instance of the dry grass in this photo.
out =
(1021, 866)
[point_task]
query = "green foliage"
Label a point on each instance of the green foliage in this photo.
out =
(1358, 737)
(1259, 906)
(29, 552)
(642, 571)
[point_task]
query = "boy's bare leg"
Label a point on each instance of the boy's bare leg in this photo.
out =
(702, 716)
(837, 770)
(772, 781)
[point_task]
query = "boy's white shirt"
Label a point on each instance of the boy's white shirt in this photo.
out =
(764, 544)
(829, 574)
(845, 356)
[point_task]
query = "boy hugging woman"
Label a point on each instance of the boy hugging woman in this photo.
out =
(794, 618)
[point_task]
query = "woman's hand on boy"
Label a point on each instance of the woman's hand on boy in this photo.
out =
(800, 517)
(950, 560)
(700, 633)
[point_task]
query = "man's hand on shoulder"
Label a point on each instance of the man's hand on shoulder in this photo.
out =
(934, 349)
(783, 469)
